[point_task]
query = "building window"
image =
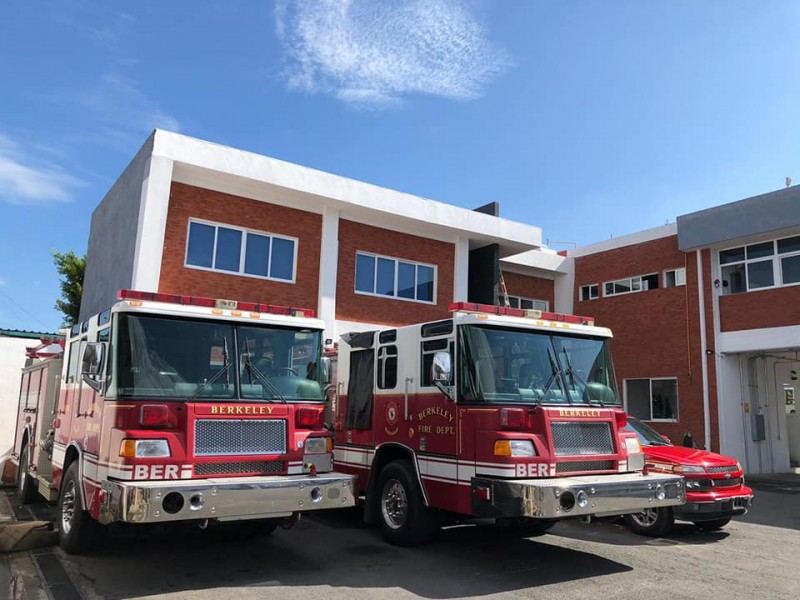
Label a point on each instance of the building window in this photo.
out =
(757, 266)
(675, 278)
(652, 399)
(234, 250)
(629, 285)
(590, 292)
(526, 303)
(396, 278)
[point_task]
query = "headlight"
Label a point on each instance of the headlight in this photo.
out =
(514, 448)
(688, 469)
(317, 445)
(144, 448)
(633, 445)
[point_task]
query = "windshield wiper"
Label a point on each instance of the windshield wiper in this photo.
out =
(555, 373)
(203, 385)
(573, 375)
(251, 368)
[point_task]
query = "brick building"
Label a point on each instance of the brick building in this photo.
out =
(705, 312)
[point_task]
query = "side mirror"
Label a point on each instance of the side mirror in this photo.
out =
(92, 364)
(93, 354)
(326, 370)
(441, 368)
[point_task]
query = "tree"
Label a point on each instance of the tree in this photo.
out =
(71, 268)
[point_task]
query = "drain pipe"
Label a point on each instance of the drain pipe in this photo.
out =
(703, 350)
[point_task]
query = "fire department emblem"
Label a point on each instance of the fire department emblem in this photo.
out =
(391, 412)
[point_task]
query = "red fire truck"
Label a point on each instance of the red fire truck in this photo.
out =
(496, 412)
(175, 408)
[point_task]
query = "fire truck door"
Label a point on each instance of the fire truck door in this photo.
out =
(358, 404)
(433, 413)
(68, 402)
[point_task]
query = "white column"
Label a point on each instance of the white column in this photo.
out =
(153, 207)
(564, 288)
(328, 269)
(704, 350)
(461, 270)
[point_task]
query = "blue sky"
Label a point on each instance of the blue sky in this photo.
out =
(589, 119)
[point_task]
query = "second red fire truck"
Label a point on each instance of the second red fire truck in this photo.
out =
(496, 412)
(177, 408)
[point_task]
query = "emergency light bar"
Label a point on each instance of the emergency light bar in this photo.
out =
(519, 312)
(215, 303)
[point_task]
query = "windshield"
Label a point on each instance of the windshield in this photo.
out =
(500, 365)
(186, 359)
(647, 435)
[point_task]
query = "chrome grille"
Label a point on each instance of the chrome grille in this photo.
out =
(585, 465)
(575, 438)
(728, 469)
(262, 467)
(218, 437)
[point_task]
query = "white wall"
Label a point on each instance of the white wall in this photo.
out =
(12, 359)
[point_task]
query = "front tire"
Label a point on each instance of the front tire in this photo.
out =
(653, 522)
(78, 533)
(26, 486)
(403, 517)
(714, 525)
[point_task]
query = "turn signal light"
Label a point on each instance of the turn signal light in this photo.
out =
(309, 418)
(502, 448)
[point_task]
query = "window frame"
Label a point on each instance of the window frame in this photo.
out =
(396, 261)
(651, 380)
(589, 287)
(630, 280)
(776, 258)
(675, 270)
(242, 250)
(531, 300)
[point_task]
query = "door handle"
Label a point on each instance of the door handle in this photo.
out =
(405, 399)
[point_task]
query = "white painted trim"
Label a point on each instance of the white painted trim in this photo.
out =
(328, 270)
(701, 302)
(152, 225)
(232, 169)
(759, 340)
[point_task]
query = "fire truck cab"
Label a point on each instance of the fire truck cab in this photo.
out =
(496, 412)
(176, 408)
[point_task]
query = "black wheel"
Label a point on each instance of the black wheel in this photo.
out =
(403, 517)
(77, 531)
(526, 527)
(712, 525)
(651, 521)
(26, 485)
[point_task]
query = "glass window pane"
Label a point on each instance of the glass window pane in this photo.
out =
(637, 393)
(229, 249)
(542, 305)
(732, 255)
(385, 282)
(791, 244)
(406, 275)
(425, 283)
(282, 260)
(594, 291)
(365, 273)
(256, 257)
(525, 303)
(609, 288)
(760, 250)
(680, 277)
(733, 281)
(665, 398)
(759, 275)
(669, 279)
(622, 286)
(200, 250)
(790, 266)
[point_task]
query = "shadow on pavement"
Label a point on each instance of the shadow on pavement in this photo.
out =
(615, 533)
(462, 561)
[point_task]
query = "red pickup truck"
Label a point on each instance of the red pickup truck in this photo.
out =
(715, 489)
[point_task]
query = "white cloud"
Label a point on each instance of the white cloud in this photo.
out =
(373, 52)
(26, 179)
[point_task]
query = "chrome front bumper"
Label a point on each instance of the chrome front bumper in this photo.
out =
(563, 497)
(229, 498)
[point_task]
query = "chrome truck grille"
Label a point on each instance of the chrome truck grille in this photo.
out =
(229, 437)
(572, 438)
(262, 467)
(576, 466)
